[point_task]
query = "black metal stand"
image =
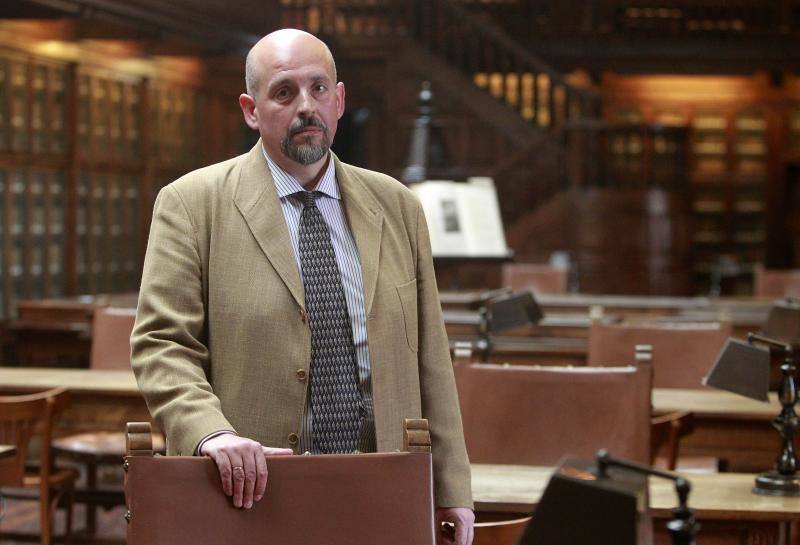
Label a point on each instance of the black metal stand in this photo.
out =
(783, 480)
(683, 527)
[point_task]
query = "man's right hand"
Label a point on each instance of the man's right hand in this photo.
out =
(242, 466)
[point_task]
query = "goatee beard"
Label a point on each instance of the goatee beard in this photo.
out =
(305, 153)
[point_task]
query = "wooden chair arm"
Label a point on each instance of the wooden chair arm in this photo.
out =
(416, 437)
(668, 430)
(139, 439)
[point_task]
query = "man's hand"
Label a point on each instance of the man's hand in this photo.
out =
(242, 466)
(461, 532)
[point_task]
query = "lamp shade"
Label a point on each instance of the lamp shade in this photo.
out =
(512, 312)
(580, 508)
(741, 368)
(783, 323)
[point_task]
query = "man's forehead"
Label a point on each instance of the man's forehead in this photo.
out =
(296, 58)
(279, 74)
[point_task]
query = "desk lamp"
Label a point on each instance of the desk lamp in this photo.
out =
(504, 314)
(783, 322)
(743, 368)
(604, 502)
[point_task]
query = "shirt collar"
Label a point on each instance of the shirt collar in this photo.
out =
(286, 184)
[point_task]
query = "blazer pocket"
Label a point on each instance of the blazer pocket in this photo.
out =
(408, 301)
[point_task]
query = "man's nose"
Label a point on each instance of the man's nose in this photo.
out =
(305, 104)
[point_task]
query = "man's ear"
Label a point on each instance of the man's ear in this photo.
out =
(339, 100)
(248, 106)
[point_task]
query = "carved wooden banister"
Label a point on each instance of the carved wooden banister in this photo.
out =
(474, 46)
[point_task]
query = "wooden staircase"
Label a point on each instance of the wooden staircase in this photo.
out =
(501, 81)
(556, 190)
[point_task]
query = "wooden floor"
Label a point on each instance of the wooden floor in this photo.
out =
(23, 516)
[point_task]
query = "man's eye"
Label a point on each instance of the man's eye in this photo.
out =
(282, 94)
(320, 88)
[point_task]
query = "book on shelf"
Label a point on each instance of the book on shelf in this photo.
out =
(754, 124)
(463, 217)
(710, 123)
(709, 147)
(708, 165)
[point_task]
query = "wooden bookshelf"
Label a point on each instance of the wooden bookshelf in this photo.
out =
(85, 145)
(731, 154)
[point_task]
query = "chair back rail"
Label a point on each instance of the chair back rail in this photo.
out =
(682, 353)
(382, 498)
(776, 282)
(529, 415)
(111, 338)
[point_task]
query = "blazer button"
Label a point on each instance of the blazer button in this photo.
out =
(293, 439)
(301, 375)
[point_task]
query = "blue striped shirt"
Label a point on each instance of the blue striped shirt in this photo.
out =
(329, 203)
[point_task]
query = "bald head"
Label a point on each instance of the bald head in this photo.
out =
(278, 47)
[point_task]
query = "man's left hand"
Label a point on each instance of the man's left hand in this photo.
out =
(460, 533)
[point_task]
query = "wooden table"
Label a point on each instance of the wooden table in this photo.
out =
(58, 332)
(727, 510)
(746, 313)
(728, 426)
(529, 350)
(564, 325)
(101, 399)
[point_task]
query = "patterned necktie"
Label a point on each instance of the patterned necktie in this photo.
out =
(335, 398)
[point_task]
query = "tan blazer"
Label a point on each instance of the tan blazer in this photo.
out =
(221, 341)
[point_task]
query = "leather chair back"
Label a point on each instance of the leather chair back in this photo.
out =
(111, 338)
(535, 277)
(530, 415)
(683, 353)
(335, 499)
(776, 283)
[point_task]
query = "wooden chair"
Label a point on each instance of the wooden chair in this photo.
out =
(111, 349)
(384, 498)
(111, 338)
(530, 415)
(22, 417)
(683, 353)
(666, 432)
(535, 277)
(776, 282)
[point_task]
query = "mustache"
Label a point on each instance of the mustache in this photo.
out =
(303, 123)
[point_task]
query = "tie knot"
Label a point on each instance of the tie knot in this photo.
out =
(306, 197)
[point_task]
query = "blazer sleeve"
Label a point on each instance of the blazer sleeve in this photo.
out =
(451, 471)
(168, 348)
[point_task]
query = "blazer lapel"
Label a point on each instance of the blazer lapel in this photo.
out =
(258, 202)
(365, 217)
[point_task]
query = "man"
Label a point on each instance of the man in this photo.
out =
(233, 342)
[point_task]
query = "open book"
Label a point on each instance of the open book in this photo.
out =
(463, 217)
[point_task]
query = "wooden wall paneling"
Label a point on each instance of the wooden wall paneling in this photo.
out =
(92, 226)
(36, 184)
(146, 150)
(73, 150)
(50, 184)
(111, 217)
(57, 249)
(6, 249)
(5, 103)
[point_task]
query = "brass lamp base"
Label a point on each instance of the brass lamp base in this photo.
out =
(772, 483)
